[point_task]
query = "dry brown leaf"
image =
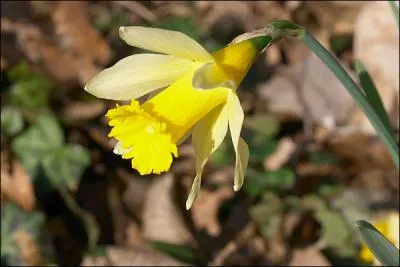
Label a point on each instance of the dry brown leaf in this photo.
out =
(221, 176)
(28, 249)
(353, 146)
(310, 90)
(205, 209)
(336, 17)
(4, 63)
(273, 55)
(140, 256)
(280, 92)
(133, 235)
(327, 18)
(310, 256)
(228, 254)
(376, 44)
(289, 221)
(277, 250)
(95, 261)
(72, 25)
(167, 9)
(186, 150)
(237, 11)
(138, 9)
(267, 11)
(325, 96)
(292, 5)
(17, 186)
(61, 64)
(101, 138)
(83, 110)
(161, 218)
(42, 8)
(26, 37)
(296, 52)
(285, 149)
(135, 194)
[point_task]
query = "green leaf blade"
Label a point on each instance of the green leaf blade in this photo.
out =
(395, 9)
(179, 252)
(372, 93)
(385, 252)
(333, 64)
(11, 120)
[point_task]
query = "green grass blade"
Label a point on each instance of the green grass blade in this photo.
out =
(395, 9)
(372, 93)
(386, 253)
(180, 252)
(333, 64)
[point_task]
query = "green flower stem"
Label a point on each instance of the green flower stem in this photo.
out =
(386, 253)
(281, 28)
(332, 63)
(89, 221)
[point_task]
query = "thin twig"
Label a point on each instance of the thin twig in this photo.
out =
(139, 10)
(245, 235)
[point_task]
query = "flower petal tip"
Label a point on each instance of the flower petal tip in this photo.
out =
(122, 30)
(188, 205)
(90, 89)
(86, 88)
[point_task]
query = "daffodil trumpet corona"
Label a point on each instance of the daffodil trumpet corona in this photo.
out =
(197, 98)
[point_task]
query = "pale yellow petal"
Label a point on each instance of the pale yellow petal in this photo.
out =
(118, 149)
(194, 191)
(242, 159)
(165, 41)
(209, 133)
(207, 136)
(236, 116)
(137, 75)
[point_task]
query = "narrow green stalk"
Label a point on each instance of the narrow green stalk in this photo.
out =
(395, 9)
(386, 253)
(89, 221)
(372, 94)
(355, 92)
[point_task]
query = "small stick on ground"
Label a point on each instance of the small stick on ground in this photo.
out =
(241, 239)
(139, 10)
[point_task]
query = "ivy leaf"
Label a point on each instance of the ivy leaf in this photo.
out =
(40, 139)
(32, 92)
(11, 120)
(41, 148)
(19, 72)
(257, 182)
(263, 124)
(65, 165)
(268, 214)
(261, 147)
(20, 226)
(335, 232)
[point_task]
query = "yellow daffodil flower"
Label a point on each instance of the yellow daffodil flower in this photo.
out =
(199, 99)
(389, 226)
